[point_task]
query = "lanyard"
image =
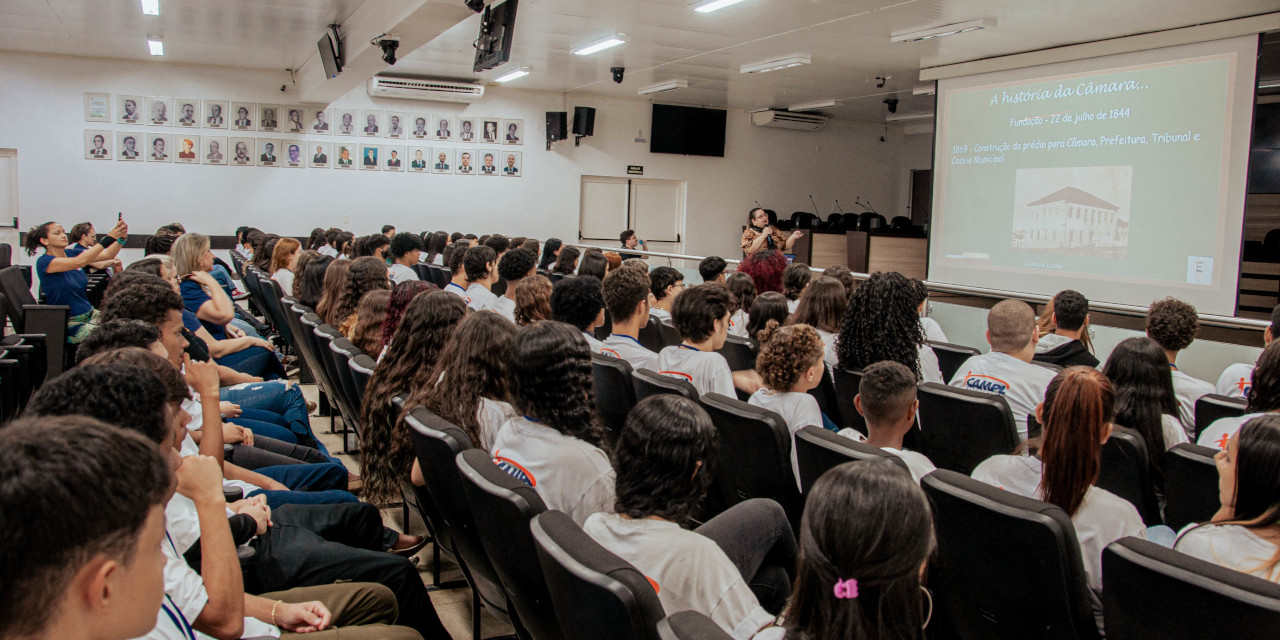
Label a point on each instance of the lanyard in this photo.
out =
(623, 335)
(685, 346)
(179, 620)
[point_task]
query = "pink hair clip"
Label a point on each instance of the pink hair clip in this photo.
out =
(846, 589)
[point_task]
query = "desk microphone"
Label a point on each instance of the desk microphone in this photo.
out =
(815, 205)
(758, 204)
(838, 206)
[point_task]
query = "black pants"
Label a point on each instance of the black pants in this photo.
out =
(269, 452)
(312, 545)
(757, 538)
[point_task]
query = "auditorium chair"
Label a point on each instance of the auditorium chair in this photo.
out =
(1190, 485)
(556, 277)
(959, 428)
(754, 455)
(310, 323)
(615, 393)
(1154, 593)
(846, 383)
(818, 451)
(828, 401)
(670, 336)
(650, 383)
(1048, 365)
(804, 219)
(337, 350)
(871, 221)
(739, 352)
(1126, 472)
(690, 625)
(362, 366)
(1008, 567)
(951, 356)
(423, 272)
(273, 297)
(6, 255)
(651, 335)
(595, 593)
(1213, 407)
(28, 317)
(441, 276)
(503, 507)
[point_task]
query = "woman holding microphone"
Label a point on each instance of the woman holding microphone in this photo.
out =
(760, 234)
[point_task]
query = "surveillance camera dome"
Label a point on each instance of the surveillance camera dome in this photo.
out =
(617, 73)
(389, 50)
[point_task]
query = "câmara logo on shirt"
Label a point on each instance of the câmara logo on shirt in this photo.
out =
(989, 384)
(1245, 385)
(606, 351)
(515, 470)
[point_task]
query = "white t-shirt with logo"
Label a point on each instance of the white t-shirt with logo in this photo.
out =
(1188, 390)
(1220, 431)
(932, 330)
(688, 570)
(738, 323)
(629, 349)
(491, 415)
(479, 297)
(505, 307)
(797, 409)
(1231, 546)
(1236, 381)
(708, 371)
(1021, 383)
(400, 273)
(457, 290)
(592, 343)
(569, 474)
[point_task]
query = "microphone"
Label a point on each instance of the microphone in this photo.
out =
(838, 206)
(815, 205)
(758, 204)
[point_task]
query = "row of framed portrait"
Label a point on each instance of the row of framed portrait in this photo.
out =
(248, 116)
(180, 148)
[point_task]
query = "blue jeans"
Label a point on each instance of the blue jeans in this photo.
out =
(254, 361)
(309, 484)
(276, 499)
(266, 429)
(273, 397)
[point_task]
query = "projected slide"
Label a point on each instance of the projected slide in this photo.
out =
(1122, 177)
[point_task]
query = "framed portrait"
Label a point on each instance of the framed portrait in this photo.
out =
(97, 144)
(187, 112)
(347, 153)
(346, 122)
(489, 130)
(370, 157)
(242, 152)
(511, 166)
(320, 152)
(295, 119)
(513, 132)
(396, 122)
(420, 126)
(393, 158)
(443, 127)
(371, 123)
(213, 149)
(187, 147)
(159, 148)
(487, 161)
(129, 145)
(159, 111)
(441, 160)
(215, 114)
(97, 107)
(268, 152)
(129, 109)
(319, 121)
(268, 117)
(466, 162)
(468, 129)
(419, 159)
(244, 116)
(292, 151)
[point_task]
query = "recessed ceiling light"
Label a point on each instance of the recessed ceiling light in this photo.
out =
(812, 106)
(513, 74)
(665, 86)
(774, 65)
(606, 42)
(943, 31)
(707, 6)
(156, 44)
(151, 7)
(907, 116)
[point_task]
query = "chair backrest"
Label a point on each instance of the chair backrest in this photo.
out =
(340, 353)
(739, 352)
(754, 456)
(271, 294)
(442, 277)
(828, 401)
(319, 360)
(818, 451)
(1213, 407)
(1152, 592)
(951, 356)
(6, 255)
(362, 367)
(503, 507)
(1047, 365)
(690, 625)
(1008, 567)
(1126, 472)
(1190, 485)
(650, 335)
(18, 294)
(670, 336)
(596, 594)
(651, 383)
(846, 385)
(959, 428)
(615, 393)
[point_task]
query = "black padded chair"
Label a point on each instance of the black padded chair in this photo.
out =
(442, 277)
(690, 625)
(362, 367)
(1190, 485)
(670, 337)
(846, 387)
(951, 356)
(1154, 593)
(595, 593)
(650, 383)
(1213, 407)
(828, 401)
(1047, 365)
(739, 352)
(754, 455)
(272, 296)
(1126, 472)
(651, 335)
(28, 317)
(316, 359)
(339, 352)
(503, 507)
(615, 393)
(1009, 567)
(959, 428)
(818, 451)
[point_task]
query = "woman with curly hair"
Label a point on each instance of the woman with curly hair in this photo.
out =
(62, 277)
(335, 279)
(822, 307)
(765, 269)
(300, 270)
(744, 293)
(533, 300)
(555, 444)
(473, 386)
(790, 364)
(316, 240)
(367, 274)
(401, 295)
(364, 327)
(880, 323)
(386, 458)
(795, 278)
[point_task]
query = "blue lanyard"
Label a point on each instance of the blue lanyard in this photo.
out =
(179, 620)
(532, 419)
(685, 346)
(454, 284)
(623, 335)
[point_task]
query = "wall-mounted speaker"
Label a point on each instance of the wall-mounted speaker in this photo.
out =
(557, 125)
(584, 121)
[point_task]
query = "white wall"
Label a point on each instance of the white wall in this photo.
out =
(42, 115)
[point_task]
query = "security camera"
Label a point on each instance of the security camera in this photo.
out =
(474, 5)
(880, 82)
(389, 42)
(892, 103)
(617, 73)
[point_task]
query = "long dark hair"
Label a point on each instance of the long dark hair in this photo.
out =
(310, 286)
(316, 240)
(567, 262)
(881, 323)
(1264, 392)
(794, 279)
(300, 271)
(473, 365)
(436, 243)
(866, 521)
(549, 249)
(386, 456)
(1143, 381)
(743, 290)
(662, 443)
(367, 273)
(263, 252)
(551, 379)
(1256, 503)
(821, 305)
(1078, 406)
(335, 279)
(767, 306)
(401, 295)
(594, 264)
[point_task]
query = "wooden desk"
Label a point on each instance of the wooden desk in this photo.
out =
(865, 252)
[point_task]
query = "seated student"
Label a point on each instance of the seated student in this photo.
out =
(795, 278)
(458, 274)
(1264, 398)
(533, 300)
(1245, 533)
(566, 261)
(744, 295)
(1144, 398)
(887, 400)
(473, 387)
(882, 322)
(404, 251)
(865, 540)
(1064, 346)
(1007, 370)
(822, 307)
(579, 302)
(701, 315)
(284, 259)
(711, 268)
(91, 567)
(1174, 324)
(62, 277)
(365, 332)
(367, 274)
(767, 306)
(665, 284)
(932, 330)
(480, 265)
(401, 295)
(310, 283)
(1234, 381)
(1064, 465)
(790, 364)
(729, 566)
(626, 295)
(554, 443)
(514, 266)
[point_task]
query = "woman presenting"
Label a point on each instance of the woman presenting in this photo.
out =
(759, 234)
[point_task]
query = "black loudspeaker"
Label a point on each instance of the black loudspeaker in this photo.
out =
(557, 125)
(584, 121)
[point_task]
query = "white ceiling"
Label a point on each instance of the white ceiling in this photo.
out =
(847, 39)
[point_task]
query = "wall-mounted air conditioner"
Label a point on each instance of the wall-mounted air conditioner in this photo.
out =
(424, 89)
(788, 120)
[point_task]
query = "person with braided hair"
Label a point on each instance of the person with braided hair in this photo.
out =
(881, 323)
(790, 364)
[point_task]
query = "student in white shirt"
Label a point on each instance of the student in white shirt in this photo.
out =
(887, 400)
(626, 295)
(1145, 402)
(1245, 533)
(767, 306)
(790, 364)
(284, 259)
(458, 274)
(881, 323)
(1007, 370)
(479, 265)
(1076, 414)
(579, 302)
(554, 444)
(743, 289)
(701, 315)
(822, 307)
(1236, 380)
(867, 535)
(1174, 324)
(515, 265)
(404, 251)
(735, 568)
(472, 379)
(1264, 398)
(665, 283)
(795, 278)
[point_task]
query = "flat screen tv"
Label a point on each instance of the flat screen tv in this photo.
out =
(689, 131)
(329, 56)
(497, 27)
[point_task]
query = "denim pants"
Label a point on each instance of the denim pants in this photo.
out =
(255, 361)
(757, 537)
(272, 396)
(324, 483)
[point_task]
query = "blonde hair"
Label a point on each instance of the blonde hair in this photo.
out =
(186, 253)
(280, 255)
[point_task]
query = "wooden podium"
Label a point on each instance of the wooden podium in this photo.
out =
(864, 251)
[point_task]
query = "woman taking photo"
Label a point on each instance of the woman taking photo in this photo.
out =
(62, 279)
(761, 234)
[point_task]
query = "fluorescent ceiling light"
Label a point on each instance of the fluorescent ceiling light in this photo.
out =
(156, 44)
(812, 106)
(924, 89)
(944, 30)
(671, 85)
(606, 42)
(1269, 84)
(151, 7)
(907, 116)
(774, 65)
(707, 6)
(513, 74)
